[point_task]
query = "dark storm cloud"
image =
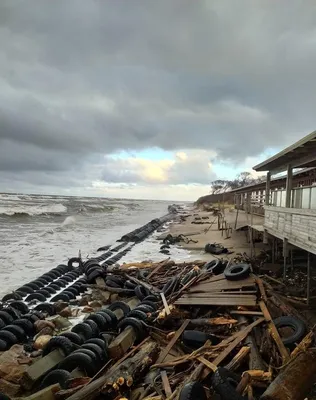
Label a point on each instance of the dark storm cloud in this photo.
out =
(83, 78)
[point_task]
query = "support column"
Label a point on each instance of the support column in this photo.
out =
(308, 278)
(268, 182)
(285, 255)
(289, 184)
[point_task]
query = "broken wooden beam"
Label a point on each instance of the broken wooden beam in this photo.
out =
(296, 380)
(172, 342)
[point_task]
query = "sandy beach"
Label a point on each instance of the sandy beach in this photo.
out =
(208, 232)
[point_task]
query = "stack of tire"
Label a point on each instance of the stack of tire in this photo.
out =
(17, 324)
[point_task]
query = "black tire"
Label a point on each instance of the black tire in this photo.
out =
(62, 268)
(34, 285)
(73, 337)
(141, 292)
(221, 382)
(58, 342)
(111, 314)
(136, 324)
(101, 343)
(42, 280)
(89, 353)
(138, 314)
(193, 391)
(6, 317)
(75, 360)
(83, 330)
(44, 292)
(52, 275)
(35, 296)
(99, 319)
(26, 289)
(26, 325)
(72, 274)
(67, 279)
(153, 298)
(106, 317)
(72, 290)
(60, 376)
(98, 351)
(57, 272)
(150, 304)
(48, 277)
(3, 346)
(39, 283)
(120, 305)
(196, 339)
(79, 287)
(171, 286)
(93, 325)
(112, 284)
(237, 271)
(17, 331)
(47, 308)
(294, 323)
(8, 337)
(215, 267)
(145, 308)
(15, 314)
(60, 296)
(39, 314)
(22, 294)
(54, 287)
(49, 290)
(20, 306)
(130, 285)
(31, 317)
(61, 282)
(75, 260)
(2, 324)
(69, 294)
(11, 296)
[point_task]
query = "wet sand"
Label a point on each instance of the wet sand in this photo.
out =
(203, 234)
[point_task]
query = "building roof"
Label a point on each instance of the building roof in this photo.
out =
(276, 181)
(301, 154)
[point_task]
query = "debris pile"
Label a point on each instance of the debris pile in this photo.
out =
(156, 331)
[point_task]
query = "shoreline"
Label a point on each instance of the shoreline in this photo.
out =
(202, 228)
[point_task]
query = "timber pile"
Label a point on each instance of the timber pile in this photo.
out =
(231, 335)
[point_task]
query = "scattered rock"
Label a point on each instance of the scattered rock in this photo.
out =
(36, 353)
(87, 309)
(84, 301)
(95, 304)
(59, 321)
(66, 312)
(44, 332)
(10, 389)
(74, 302)
(10, 369)
(60, 305)
(41, 324)
(41, 342)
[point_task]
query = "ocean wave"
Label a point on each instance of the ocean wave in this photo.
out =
(21, 210)
(94, 208)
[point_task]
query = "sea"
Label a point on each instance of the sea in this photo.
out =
(38, 232)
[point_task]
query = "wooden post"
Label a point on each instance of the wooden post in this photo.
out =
(308, 277)
(267, 195)
(289, 182)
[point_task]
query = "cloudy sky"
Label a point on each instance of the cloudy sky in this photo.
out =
(147, 98)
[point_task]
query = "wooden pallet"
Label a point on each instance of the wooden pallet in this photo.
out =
(219, 291)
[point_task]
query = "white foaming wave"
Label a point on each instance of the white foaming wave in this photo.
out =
(70, 220)
(32, 210)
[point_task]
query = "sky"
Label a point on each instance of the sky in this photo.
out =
(150, 99)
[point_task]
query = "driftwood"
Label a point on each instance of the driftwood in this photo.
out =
(122, 375)
(296, 380)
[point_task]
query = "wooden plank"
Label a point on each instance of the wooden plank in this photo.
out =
(219, 295)
(239, 337)
(172, 342)
(262, 289)
(207, 363)
(222, 285)
(236, 301)
(167, 309)
(166, 384)
(253, 313)
(274, 332)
